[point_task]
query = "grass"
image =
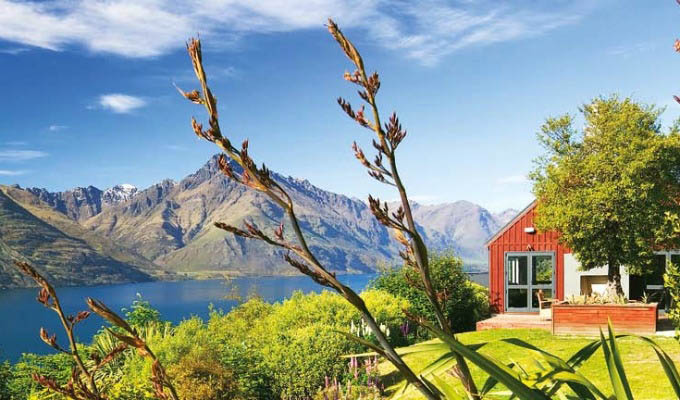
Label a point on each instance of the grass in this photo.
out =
(644, 372)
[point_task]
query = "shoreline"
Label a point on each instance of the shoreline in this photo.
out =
(202, 276)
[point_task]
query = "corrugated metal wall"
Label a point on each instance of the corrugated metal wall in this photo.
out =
(515, 239)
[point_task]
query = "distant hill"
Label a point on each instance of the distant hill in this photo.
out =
(462, 227)
(169, 226)
(58, 247)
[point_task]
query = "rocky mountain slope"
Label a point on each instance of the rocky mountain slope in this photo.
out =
(59, 247)
(171, 225)
(84, 202)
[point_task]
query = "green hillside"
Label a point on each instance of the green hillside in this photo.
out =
(58, 248)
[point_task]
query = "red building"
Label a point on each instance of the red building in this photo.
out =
(523, 261)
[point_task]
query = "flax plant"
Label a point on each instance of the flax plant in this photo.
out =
(401, 222)
(83, 385)
(298, 253)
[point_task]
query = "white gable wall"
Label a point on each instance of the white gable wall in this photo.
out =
(572, 276)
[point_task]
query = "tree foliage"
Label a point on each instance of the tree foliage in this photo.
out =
(141, 313)
(463, 302)
(606, 188)
(672, 283)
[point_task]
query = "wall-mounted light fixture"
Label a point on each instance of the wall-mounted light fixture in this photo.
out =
(530, 229)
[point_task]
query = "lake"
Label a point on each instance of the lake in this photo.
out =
(22, 316)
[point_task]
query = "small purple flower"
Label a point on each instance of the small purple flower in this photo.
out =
(405, 329)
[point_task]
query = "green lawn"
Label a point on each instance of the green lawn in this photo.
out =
(644, 372)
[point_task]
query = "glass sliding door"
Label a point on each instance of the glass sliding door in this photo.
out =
(525, 275)
(541, 277)
(517, 288)
(654, 280)
(650, 282)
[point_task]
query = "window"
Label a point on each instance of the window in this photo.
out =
(675, 258)
(541, 270)
(651, 283)
(517, 270)
(655, 277)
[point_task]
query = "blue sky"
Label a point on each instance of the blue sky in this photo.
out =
(89, 97)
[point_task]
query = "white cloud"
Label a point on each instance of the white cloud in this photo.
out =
(57, 128)
(120, 103)
(174, 147)
(424, 30)
(631, 49)
(21, 155)
(217, 73)
(6, 172)
(428, 31)
(13, 51)
(513, 180)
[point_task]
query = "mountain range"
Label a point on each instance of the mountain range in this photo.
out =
(88, 236)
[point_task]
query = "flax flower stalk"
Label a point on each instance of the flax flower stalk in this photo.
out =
(401, 222)
(297, 254)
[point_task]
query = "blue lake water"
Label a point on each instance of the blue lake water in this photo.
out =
(22, 316)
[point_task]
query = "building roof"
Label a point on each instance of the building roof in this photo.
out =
(511, 223)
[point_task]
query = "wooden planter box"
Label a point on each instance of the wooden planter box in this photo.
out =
(587, 319)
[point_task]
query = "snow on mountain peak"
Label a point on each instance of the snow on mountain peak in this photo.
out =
(119, 193)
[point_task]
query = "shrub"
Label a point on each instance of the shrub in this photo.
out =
(596, 298)
(297, 339)
(301, 359)
(238, 344)
(672, 283)
(253, 376)
(6, 377)
(200, 376)
(56, 366)
(464, 302)
(482, 309)
(141, 313)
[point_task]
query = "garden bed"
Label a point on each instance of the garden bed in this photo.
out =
(588, 319)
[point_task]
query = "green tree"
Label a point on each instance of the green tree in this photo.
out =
(6, 377)
(141, 313)
(607, 187)
(463, 302)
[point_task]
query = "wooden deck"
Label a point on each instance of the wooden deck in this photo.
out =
(515, 321)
